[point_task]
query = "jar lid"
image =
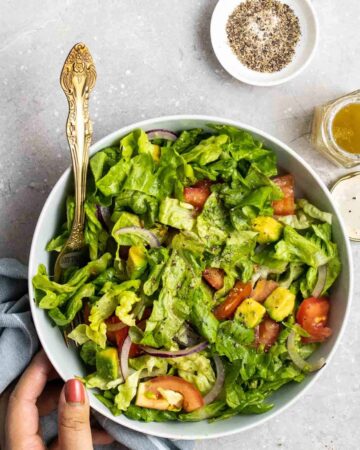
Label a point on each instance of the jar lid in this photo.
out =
(346, 193)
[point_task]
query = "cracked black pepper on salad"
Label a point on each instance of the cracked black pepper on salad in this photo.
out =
(207, 282)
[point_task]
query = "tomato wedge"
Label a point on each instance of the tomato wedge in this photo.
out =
(118, 337)
(236, 295)
(215, 277)
(267, 333)
(263, 289)
(192, 396)
(286, 205)
(197, 195)
(111, 335)
(312, 315)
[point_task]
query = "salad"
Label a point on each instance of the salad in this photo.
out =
(206, 285)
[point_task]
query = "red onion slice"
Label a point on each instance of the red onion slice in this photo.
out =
(103, 214)
(300, 362)
(320, 283)
(160, 133)
(174, 354)
(149, 237)
(124, 358)
(219, 382)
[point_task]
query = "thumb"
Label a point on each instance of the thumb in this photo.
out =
(74, 417)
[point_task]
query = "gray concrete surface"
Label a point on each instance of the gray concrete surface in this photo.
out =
(155, 58)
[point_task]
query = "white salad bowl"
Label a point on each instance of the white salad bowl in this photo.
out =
(66, 360)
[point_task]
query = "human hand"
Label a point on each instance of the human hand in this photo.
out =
(31, 399)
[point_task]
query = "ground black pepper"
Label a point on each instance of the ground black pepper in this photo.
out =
(263, 34)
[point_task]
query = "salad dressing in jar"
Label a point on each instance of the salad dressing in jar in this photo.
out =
(346, 193)
(336, 130)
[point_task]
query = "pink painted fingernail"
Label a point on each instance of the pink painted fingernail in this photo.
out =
(74, 391)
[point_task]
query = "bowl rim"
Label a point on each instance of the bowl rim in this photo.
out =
(214, 37)
(137, 425)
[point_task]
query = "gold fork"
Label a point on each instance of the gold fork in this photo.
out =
(77, 80)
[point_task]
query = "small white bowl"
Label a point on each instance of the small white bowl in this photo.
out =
(66, 360)
(303, 53)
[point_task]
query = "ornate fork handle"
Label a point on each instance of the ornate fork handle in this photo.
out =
(77, 81)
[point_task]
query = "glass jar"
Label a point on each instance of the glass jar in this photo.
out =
(322, 135)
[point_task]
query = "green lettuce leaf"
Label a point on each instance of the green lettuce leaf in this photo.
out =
(135, 143)
(109, 274)
(176, 214)
(233, 339)
(125, 219)
(255, 179)
(229, 281)
(308, 282)
(267, 258)
(95, 235)
(49, 294)
(213, 223)
(149, 365)
(127, 300)
(210, 411)
(157, 258)
(111, 184)
(146, 206)
(253, 377)
(314, 212)
(105, 306)
(259, 199)
(292, 273)
(300, 221)
(239, 246)
(83, 333)
(207, 151)
(187, 138)
(201, 314)
(246, 149)
(296, 248)
(97, 164)
(142, 176)
(88, 352)
(149, 415)
(73, 306)
(195, 369)
(57, 243)
(224, 168)
(172, 306)
(94, 380)
(127, 391)
(188, 241)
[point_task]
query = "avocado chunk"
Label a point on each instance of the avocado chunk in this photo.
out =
(280, 304)
(268, 228)
(107, 363)
(250, 313)
(156, 153)
(136, 262)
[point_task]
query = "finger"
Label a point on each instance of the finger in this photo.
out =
(99, 437)
(74, 417)
(33, 381)
(53, 375)
(22, 405)
(49, 398)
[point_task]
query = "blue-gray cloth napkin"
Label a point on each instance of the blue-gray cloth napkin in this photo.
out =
(19, 342)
